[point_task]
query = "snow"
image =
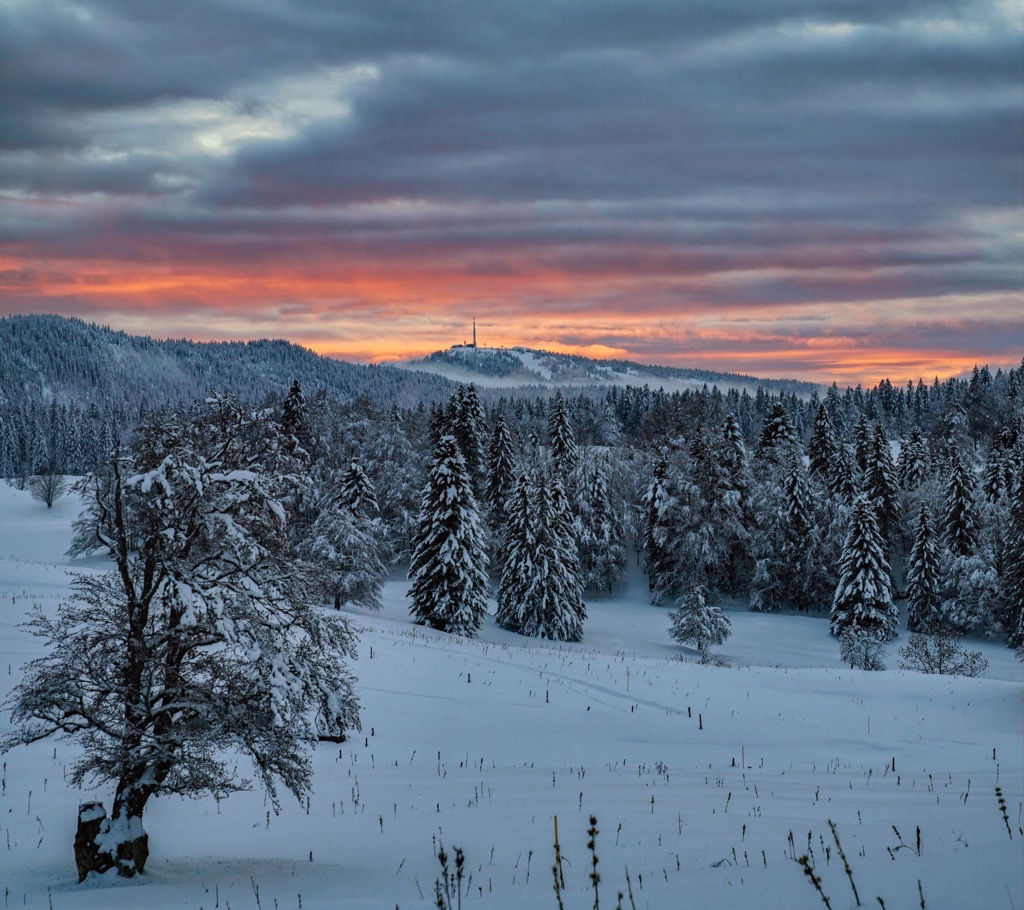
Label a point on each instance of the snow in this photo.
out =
(691, 771)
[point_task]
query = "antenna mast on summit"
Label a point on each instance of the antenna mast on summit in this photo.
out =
(474, 331)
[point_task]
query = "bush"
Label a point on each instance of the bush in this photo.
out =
(941, 651)
(861, 650)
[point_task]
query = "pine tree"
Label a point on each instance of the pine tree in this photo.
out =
(563, 442)
(1013, 585)
(994, 482)
(541, 592)
(699, 622)
(778, 435)
(960, 526)
(823, 448)
(912, 466)
(657, 507)
(342, 545)
(881, 487)
(863, 597)
(295, 418)
(599, 532)
(500, 468)
(796, 526)
(357, 494)
(519, 552)
(449, 562)
(734, 454)
(467, 425)
(923, 583)
(842, 482)
(863, 442)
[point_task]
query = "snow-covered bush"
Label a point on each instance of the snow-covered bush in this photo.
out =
(861, 650)
(941, 651)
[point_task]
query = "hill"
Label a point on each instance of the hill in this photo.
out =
(518, 367)
(54, 358)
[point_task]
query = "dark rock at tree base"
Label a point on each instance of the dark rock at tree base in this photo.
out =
(129, 858)
(90, 819)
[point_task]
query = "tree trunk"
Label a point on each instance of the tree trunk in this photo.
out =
(103, 843)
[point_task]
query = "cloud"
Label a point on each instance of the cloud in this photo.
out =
(767, 178)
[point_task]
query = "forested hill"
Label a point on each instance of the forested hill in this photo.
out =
(62, 360)
(518, 367)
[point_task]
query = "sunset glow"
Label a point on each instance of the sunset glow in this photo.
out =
(779, 194)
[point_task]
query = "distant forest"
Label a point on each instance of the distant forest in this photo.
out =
(789, 501)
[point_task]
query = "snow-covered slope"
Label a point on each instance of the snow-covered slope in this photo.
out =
(697, 775)
(518, 366)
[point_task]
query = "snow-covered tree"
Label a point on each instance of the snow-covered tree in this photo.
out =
(599, 531)
(500, 479)
(959, 526)
(466, 422)
(881, 486)
(449, 560)
(778, 436)
(697, 621)
(913, 464)
(357, 494)
(1013, 584)
(178, 654)
(295, 417)
(562, 439)
(342, 544)
(48, 486)
(541, 594)
(657, 506)
(823, 447)
(842, 476)
(924, 594)
(863, 597)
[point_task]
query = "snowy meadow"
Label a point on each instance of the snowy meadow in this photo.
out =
(708, 783)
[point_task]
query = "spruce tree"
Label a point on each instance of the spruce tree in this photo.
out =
(357, 493)
(599, 532)
(541, 592)
(863, 597)
(733, 454)
(1013, 586)
(519, 552)
(863, 442)
(881, 487)
(842, 481)
(923, 583)
(959, 526)
(466, 417)
(699, 622)
(295, 418)
(563, 442)
(657, 508)
(778, 435)
(994, 481)
(500, 468)
(796, 526)
(449, 562)
(912, 467)
(822, 448)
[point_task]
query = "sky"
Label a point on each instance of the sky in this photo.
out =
(808, 189)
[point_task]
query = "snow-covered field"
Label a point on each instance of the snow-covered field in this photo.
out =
(697, 775)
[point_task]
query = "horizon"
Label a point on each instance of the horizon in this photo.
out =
(829, 194)
(724, 369)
